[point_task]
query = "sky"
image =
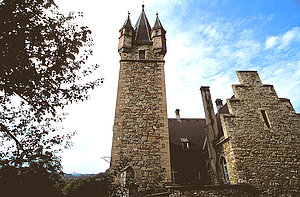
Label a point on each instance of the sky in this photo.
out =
(207, 42)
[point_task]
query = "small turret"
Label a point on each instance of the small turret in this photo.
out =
(126, 34)
(158, 35)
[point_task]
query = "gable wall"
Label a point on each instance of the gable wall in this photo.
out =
(267, 158)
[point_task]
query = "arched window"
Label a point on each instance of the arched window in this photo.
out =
(225, 170)
(127, 176)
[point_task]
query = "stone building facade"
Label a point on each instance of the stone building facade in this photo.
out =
(250, 147)
(258, 142)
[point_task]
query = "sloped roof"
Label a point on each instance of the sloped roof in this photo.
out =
(157, 23)
(187, 160)
(142, 28)
(128, 22)
(192, 129)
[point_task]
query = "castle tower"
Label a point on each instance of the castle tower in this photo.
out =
(140, 132)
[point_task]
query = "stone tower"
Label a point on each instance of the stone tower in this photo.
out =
(140, 132)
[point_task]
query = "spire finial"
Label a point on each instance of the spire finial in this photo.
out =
(157, 14)
(128, 14)
(143, 6)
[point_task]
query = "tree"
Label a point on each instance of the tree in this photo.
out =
(42, 67)
(99, 185)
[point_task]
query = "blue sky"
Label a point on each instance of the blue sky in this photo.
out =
(207, 41)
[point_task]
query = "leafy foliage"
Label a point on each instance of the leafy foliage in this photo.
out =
(42, 67)
(33, 180)
(95, 186)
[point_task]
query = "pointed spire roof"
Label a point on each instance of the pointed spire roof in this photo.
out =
(128, 21)
(142, 28)
(157, 23)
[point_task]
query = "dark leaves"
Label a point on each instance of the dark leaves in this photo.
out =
(42, 62)
(36, 44)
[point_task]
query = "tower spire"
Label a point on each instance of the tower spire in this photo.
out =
(157, 23)
(127, 22)
(142, 28)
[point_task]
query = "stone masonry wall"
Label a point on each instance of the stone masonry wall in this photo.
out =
(141, 126)
(264, 138)
(225, 150)
(243, 190)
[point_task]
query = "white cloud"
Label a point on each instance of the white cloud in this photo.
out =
(212, 32)
(206, 55)
(283, 40)
(270, 42)
(288, 37)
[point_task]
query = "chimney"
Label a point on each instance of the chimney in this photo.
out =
(177, 115)
(219, 103)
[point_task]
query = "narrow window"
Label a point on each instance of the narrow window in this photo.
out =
(204, 144)
(123, 179)
(264, 115)
(225, 170)
(185, 143)
(156, 32)
(142, 54)
(174, 176)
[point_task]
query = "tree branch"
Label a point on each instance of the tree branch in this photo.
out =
(5, 129)
(31, 102)
(19, 145)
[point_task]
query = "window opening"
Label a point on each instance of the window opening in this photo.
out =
(204, 144)
(199, 175)
(156, 32)
(123, 179)
(174, 176)
(141, 54)
(225, 170)
(264, 115)
(185, 143)
(127, 175)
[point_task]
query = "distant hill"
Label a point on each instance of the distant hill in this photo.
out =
(75, 176)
